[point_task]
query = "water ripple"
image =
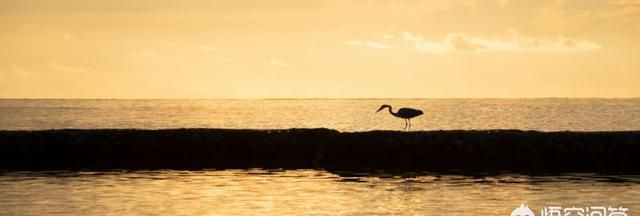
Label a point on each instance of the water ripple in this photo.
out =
(292, 192)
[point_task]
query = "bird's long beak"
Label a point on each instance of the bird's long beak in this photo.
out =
(379, 109)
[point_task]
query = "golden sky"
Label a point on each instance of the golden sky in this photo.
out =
(319, 48)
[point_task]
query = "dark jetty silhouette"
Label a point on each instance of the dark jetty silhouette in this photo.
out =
(475, 150)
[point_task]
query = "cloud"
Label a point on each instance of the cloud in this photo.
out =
(407, 36)
(43, 31)
(16, 70)
(513, 42)
(471, 5)
(277, 62)
(149, 53)
(221, 59)
(206, 47)
(501, 3)
(625, 12)
(59, 67)
(368, 44)
(561, 15)
(626, 2)
(67, 35)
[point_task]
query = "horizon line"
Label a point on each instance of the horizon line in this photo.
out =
(311, 98)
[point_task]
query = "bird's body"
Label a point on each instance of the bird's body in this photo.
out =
(405, 113)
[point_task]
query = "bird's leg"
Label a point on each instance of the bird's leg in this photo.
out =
(405, 124)
(409, 120)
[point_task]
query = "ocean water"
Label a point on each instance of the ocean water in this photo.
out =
(305, 192)
(313, 192)
(340, 114)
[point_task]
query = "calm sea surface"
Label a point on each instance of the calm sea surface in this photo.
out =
(304, 192)
(343, 115)
(312, 192)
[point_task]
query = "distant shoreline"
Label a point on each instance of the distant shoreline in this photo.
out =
(381, 98)
(465, 150)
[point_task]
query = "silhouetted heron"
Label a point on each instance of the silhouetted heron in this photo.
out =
(405, 113)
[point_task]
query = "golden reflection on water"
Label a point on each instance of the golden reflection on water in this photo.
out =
(339, 114)
(295, 192)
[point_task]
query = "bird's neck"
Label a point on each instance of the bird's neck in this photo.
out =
(391, 111)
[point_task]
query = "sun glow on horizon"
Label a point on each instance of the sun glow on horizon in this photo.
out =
(319, 49)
